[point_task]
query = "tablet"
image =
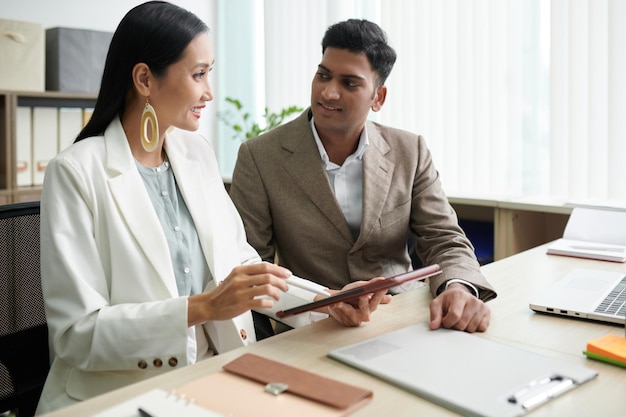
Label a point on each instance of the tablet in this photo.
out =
(352, 295)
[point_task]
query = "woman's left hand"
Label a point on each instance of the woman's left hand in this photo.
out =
(353, 315)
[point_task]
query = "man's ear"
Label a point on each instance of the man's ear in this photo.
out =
(142, 79)
(379, 98)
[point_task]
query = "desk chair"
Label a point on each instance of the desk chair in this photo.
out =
(24, 359)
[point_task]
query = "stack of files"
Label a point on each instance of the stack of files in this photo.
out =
(593, 234)
(610, 348)
(250, 386)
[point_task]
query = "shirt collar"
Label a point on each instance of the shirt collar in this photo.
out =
(364, 142)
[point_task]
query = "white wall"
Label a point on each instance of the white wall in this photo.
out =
(87, 14)
(103, 15)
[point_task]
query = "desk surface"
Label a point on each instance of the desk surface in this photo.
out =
(516, 278)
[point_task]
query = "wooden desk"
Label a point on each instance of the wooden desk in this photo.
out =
(516, 278)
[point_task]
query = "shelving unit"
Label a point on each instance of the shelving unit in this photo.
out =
(9, 101)
(518, 224)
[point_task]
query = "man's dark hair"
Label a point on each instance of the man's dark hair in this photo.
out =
(360, 35)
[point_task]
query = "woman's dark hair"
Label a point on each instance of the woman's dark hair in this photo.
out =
(155, 33)
(359, 35)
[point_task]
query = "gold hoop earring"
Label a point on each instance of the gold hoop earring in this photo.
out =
(148, 117)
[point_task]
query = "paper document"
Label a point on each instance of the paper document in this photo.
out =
(157, 403)
(594, 234)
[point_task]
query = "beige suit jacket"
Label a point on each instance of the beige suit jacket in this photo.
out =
(282, 192)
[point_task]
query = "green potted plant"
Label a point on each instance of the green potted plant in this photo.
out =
(244, 125)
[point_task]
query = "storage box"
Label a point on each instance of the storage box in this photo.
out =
(22, 56)
(75, 59)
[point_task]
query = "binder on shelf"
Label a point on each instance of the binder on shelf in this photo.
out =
(23, 146)
(70, 124)
(45, 140)
(87, 112)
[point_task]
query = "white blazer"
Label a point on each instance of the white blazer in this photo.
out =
(113, 311)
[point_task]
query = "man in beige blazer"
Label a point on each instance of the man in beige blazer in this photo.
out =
(336, 197)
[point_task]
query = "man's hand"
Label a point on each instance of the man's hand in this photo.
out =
(457, 308)
(353, 315)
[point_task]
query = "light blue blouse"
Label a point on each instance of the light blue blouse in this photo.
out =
(190, 268)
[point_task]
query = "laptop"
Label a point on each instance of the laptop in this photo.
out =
(443, 365)
(587, 294)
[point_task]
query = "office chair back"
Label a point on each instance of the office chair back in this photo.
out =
(24, 359)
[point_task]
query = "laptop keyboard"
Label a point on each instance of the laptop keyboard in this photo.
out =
(615, 302)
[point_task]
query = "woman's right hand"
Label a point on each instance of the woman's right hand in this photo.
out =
(245, 288)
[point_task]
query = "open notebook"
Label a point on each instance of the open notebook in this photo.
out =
(585, 293)
(594, 234)
(443, 366)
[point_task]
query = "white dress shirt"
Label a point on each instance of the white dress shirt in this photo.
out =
(346, 180)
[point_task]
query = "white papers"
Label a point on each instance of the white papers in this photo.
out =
(157, 403)
(594, 234)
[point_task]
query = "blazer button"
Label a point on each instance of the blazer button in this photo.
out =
(243, 334)
(142, 364)
(172, 362)
(157, 363)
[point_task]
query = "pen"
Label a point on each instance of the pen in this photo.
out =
(303, 285)
(144, 413)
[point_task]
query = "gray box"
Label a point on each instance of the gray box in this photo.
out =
(75, 59)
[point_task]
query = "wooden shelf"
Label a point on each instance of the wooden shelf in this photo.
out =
(9, 101)
(519, 224)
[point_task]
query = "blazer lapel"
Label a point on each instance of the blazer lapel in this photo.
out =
(135, 207)
(225, 335)
(377, 175)
(307, 170)
(202, 198)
